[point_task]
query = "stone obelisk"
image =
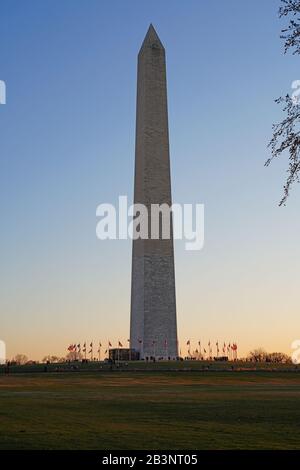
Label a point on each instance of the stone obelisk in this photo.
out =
(153, 326)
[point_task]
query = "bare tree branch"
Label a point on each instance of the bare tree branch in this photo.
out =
(292, 32)
(286, 134)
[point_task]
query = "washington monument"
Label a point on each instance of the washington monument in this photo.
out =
(153, 327)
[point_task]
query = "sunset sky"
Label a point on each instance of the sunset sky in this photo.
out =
(67, 145)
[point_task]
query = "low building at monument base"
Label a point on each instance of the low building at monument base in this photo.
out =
(124, 354)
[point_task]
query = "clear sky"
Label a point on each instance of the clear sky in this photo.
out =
(67, 144)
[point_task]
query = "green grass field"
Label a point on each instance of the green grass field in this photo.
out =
(150, 410)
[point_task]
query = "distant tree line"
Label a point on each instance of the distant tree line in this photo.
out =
(21, 359)
(256, 355)
(260, 355)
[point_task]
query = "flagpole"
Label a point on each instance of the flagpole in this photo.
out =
(200, 349)
(189, 347)
(129, 349)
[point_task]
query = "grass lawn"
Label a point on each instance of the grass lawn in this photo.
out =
(150, 410)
